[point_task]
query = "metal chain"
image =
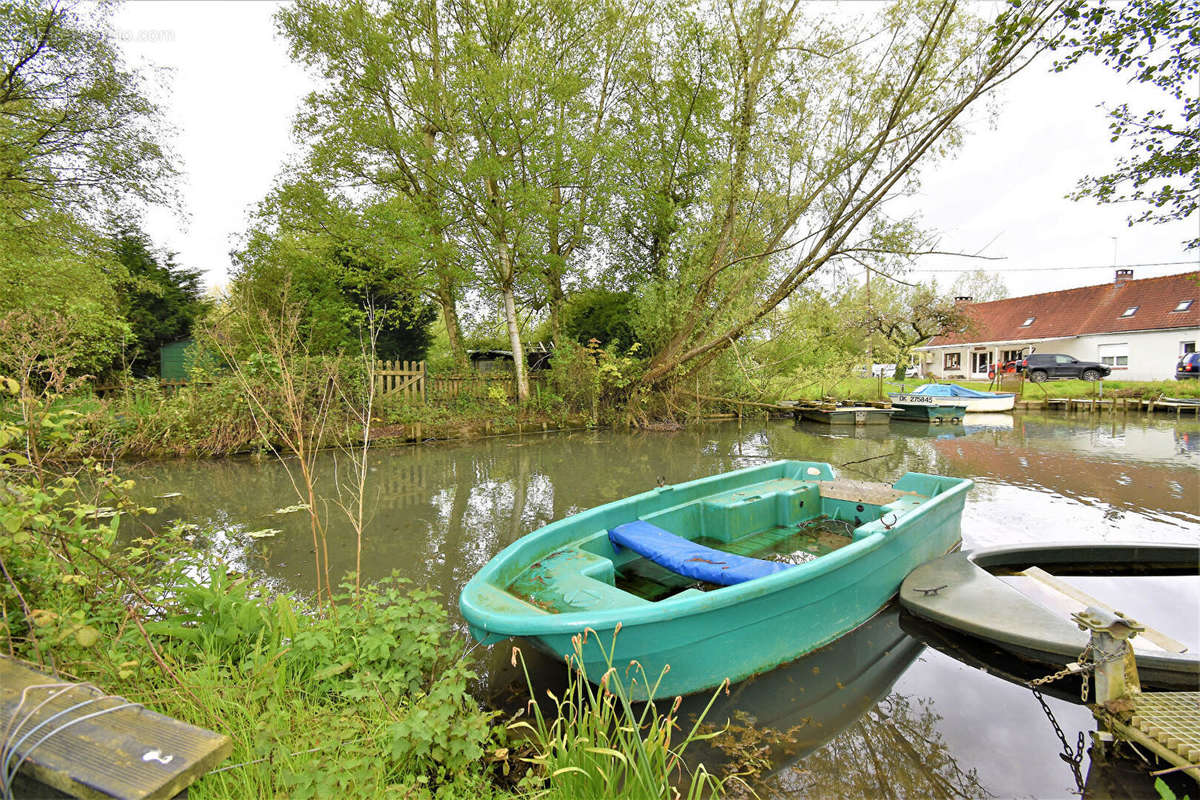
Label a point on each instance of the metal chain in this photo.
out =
(1074, 757)
(1081, 667)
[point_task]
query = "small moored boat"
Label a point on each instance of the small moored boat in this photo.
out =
(722, 577)
(1014, 598)
(977, 402)
(847, 415)
(927, 408)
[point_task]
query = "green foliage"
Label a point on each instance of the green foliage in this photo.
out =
(905, 316)
(159, 300)
(601, 315)
(1164, 791)
(377, 684)
(980, 285)
(354, 272)
(57, 306)
(1156, 44)
(79, 134)
(598, 745)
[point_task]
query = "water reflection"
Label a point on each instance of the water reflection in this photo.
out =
(438, 512)
(828, 725)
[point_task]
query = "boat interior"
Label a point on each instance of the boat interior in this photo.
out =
(769, 525)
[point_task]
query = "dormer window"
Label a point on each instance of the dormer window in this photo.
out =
(1028, 322)
(1184, 305)
(1129, 312)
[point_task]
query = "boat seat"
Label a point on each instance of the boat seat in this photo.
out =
(685, 557)
(572, 580)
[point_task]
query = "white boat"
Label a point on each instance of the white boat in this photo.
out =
(977, 402)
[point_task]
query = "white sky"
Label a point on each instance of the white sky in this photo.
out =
(232, 92)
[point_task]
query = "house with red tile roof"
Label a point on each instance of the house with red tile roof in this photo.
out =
(1137, 327)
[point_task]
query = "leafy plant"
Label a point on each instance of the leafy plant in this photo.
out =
(599, 745)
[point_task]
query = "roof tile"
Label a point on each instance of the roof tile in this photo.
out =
(1085, 310)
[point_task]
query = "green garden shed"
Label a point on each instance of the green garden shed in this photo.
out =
(174, 358)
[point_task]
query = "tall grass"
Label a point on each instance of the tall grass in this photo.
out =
(599, 745)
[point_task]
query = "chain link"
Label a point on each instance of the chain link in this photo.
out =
(1073, 757)
(1081, 667)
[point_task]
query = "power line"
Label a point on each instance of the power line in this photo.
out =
(1059, 269)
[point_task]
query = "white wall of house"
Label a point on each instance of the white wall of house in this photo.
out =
(1138, 356)
(1148, 355)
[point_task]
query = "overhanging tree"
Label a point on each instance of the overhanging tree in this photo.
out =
(1156, 43)
(78, 134)
(826, 124)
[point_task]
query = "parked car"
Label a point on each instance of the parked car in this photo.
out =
(888, 370)
(1039, 367)
(1188, 367)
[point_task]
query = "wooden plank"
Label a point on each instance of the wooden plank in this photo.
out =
(1080, 596)
(875, 494)
(129, 752)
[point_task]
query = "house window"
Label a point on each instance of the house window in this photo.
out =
(1009, 355)
(1187, 347)
(952, 361)
(1028, 322)
(1114, 355)
(1129, 312)
(1183, 306)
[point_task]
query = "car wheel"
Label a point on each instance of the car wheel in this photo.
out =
(1038, 375)
(1091, 375)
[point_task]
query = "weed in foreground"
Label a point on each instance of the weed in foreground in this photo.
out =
(599, 745)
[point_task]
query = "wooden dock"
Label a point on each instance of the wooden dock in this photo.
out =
(77, 739)
(1112, 405)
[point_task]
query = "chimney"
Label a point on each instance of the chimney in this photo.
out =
(1122, 276)
(963, 298)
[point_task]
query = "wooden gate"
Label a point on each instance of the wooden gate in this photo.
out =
(406, 378)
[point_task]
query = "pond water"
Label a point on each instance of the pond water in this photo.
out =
(875, 714)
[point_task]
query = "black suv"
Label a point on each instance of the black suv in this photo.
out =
(1188, 367)
(1044, 366)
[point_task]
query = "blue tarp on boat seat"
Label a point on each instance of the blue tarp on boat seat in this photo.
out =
(688, 558)
(953, 390)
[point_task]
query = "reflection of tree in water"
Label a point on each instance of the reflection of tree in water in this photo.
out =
(894, 750)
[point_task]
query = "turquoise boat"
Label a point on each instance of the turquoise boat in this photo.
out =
(718, 578)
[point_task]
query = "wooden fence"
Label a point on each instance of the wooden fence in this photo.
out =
(410, 380)
(405, 378)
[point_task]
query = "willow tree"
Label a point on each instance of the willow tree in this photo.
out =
(379, 124)
(536, 83)
(824, 122)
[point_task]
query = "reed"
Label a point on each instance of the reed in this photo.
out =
(599, 744)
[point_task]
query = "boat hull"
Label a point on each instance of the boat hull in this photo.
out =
(976, 402)
(852, 415)
(983, 405)
(960, 593)
(697, 639)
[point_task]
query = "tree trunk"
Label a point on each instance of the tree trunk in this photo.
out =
(445, 298)
(514, 338)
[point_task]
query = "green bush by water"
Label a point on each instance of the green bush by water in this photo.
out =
(366, 697)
